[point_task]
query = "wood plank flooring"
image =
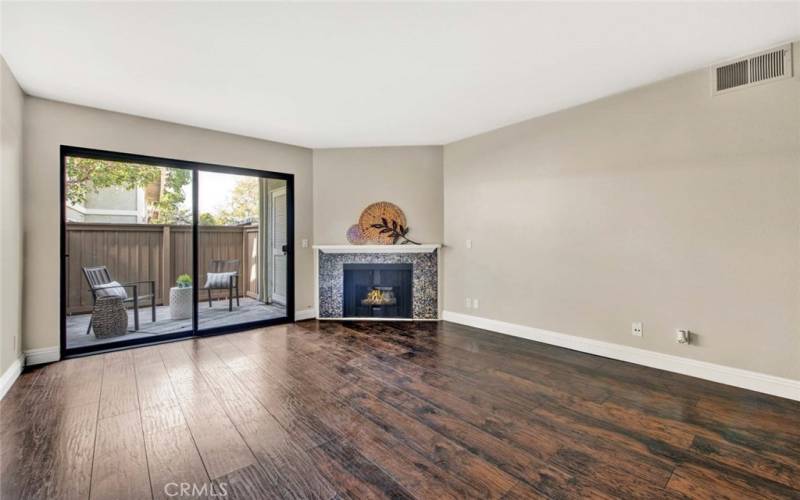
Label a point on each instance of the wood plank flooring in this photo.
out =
(373, 410)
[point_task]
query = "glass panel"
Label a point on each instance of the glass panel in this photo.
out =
(241, 249)
(128, 241)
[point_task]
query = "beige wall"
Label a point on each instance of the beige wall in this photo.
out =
(347, 180)
(11, 105)
(49, 124)
(663, 205)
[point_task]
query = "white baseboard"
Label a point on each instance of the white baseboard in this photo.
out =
(10, 376)
(754, 381)
(43, 355)
(305, 314)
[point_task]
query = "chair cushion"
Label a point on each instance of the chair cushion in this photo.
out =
(112, 289)
(219, 280)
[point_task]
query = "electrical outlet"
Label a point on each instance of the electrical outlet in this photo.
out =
(469, 243)
(636, 329)
(468, 303)
(305, 243)
(474, 303)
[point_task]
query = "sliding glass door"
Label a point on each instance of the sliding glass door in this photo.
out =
(242, 249)
(157, 249)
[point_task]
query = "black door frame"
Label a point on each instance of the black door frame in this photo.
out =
(195, 167)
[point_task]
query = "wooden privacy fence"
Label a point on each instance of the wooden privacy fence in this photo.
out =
(140, 252)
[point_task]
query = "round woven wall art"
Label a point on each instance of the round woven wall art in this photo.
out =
(382, 212)
(355, 236)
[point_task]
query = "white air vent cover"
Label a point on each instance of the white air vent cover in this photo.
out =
(768, 66)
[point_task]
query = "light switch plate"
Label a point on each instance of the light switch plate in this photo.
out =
(469, 243)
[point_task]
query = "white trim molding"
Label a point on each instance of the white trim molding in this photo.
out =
(43, 355)
(423, 248)
(305, 314)
(754, 381)
(10, 376)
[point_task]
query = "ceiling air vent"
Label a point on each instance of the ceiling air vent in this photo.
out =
(768, 66)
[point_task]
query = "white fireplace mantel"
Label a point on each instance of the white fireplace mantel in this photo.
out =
(424, 248)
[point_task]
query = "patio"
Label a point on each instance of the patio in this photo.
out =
(161, 253)
(209, 317)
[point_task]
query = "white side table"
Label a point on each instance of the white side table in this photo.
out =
(180, 302)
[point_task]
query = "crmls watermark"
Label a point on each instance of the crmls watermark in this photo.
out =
(189, 490)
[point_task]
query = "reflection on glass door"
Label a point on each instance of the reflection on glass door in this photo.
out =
(242, 235)
(128, 252)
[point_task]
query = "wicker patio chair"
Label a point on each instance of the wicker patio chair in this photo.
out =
(100, 284)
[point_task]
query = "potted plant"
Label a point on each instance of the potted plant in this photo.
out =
(180, 298)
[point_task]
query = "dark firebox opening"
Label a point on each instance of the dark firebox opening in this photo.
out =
(377, 291)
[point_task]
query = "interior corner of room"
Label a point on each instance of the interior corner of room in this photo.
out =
(652, 218)
(594, 296)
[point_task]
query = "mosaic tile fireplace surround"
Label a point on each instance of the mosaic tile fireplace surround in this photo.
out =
(331, 261)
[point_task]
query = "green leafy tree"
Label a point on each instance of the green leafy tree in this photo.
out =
(243, 203)
(168, 208)
(207, 219)
(85, 175)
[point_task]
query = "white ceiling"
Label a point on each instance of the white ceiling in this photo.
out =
(335, 75)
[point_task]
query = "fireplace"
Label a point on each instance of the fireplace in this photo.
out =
(397, 264)
(378, 290)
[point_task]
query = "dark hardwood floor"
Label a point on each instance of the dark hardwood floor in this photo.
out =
(366, 410)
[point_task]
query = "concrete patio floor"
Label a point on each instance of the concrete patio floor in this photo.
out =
(209, 317)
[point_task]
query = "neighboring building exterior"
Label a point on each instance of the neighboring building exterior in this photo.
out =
(111, 205)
